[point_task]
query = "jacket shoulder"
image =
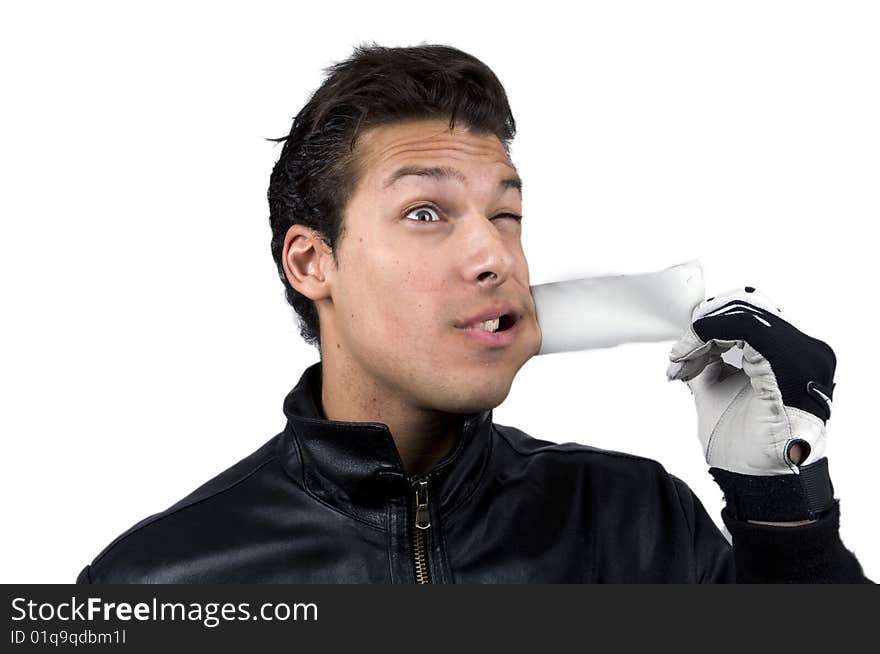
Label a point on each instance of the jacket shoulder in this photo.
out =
(595, 467)
(637, 495)
(109, 566)
(526, 445)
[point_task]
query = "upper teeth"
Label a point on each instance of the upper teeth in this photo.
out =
(490, 325)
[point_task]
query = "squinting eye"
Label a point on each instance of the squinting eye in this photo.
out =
(422, 214)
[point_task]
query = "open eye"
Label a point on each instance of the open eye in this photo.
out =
(426, 213)
(423, 214)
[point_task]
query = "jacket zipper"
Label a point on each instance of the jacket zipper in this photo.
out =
(421, 524)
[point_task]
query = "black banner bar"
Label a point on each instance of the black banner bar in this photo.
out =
(171, 618)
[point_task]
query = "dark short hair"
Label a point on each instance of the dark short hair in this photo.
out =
(313, 178)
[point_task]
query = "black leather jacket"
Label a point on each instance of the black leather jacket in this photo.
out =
(327, 501)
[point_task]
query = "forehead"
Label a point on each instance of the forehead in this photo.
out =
(381, 150)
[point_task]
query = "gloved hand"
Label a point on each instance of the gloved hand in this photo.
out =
(751, 419)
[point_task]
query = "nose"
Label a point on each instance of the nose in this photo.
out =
(488, 260)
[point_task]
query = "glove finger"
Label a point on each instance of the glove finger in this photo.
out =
(715, 372)
(688, 369)
(712, 349)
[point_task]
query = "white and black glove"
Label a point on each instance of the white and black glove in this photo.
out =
(750, 419)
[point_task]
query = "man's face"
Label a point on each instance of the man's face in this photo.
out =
(421, 256)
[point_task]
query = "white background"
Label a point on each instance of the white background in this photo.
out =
(146, 342)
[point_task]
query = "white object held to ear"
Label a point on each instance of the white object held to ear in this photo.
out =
(597, 312)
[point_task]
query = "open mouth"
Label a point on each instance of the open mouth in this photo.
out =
(499, 324)
(498, 332)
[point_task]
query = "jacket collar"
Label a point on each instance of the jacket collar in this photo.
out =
(355, 466)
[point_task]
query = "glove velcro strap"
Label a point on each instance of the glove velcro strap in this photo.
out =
(778, 498)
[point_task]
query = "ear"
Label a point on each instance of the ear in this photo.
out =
(307, 259)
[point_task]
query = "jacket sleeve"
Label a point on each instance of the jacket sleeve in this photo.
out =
(811, 553)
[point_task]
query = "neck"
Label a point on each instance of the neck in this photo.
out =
(422, 436)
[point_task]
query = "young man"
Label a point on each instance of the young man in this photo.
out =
(396, 221)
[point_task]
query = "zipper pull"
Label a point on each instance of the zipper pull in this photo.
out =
(423, 517)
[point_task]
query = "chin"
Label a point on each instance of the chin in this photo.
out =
(478, 398)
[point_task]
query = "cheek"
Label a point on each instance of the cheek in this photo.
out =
(392, 299)
(411, 298)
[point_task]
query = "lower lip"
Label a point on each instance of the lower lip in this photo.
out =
(491, 339)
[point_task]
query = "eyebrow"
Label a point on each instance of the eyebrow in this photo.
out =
(445, 172)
